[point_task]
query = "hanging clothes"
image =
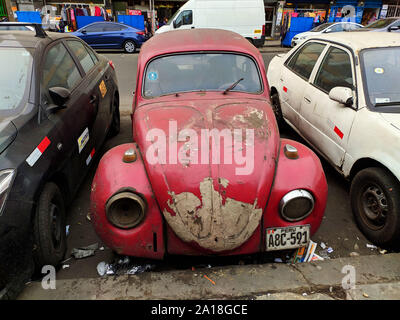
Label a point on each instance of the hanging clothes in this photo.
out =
(79, 12)
(97, 11)
(104, 14)
(64, 14)
(69, 23)
(73, 19)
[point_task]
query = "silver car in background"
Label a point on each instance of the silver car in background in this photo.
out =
(325, 28)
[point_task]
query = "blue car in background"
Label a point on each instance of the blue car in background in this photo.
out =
(111, 35)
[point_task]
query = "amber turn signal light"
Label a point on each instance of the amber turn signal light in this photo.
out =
(129, 156)
(290, 152)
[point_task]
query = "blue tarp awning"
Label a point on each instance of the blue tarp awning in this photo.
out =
(82, 21)
(28, 16)
(133, 21)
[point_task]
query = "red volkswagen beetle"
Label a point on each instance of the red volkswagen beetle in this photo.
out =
(207, 173)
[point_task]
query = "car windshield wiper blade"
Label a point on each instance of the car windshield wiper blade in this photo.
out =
(233, 86)
(385, 104)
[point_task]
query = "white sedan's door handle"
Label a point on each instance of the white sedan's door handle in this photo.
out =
(308, 100)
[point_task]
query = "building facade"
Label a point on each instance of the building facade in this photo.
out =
(364, 11)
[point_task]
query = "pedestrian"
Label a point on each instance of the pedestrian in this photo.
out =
(148, 28)
(46, 20)
(145, 27)
(284, 28)
(64, 19)
(163, 22)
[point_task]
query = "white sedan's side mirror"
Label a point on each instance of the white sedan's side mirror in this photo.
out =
(342, 95)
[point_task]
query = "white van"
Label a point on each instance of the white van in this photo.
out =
(246, 17)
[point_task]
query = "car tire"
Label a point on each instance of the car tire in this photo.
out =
(375, 204)
(129, 46)
(50, 227)
(276, 106)
(116, 120)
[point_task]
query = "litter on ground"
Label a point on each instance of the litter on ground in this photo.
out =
(83, 252)
(307, 254)
(122, 266)
(209, 280)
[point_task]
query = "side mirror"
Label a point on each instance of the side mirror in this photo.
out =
(83, 31)
(393, 29)
(342, 95)
(174, 24)
(60, 96)
(327, 30)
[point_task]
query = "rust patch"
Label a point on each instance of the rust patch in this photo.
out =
(214, 222)
(252, 118)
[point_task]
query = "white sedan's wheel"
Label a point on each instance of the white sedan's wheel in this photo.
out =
(276, 106)
(129, 46)
(375, 202)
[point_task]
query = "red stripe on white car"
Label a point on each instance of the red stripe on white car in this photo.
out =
(338, 132)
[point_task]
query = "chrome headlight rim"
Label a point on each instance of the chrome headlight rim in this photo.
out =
(126, 195)
(295, 194)
(5, 185)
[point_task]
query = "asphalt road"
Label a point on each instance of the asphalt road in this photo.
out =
(338, 229)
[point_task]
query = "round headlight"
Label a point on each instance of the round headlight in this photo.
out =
(125, 210)
(296, 205)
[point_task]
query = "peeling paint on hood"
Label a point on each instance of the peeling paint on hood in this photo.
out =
(210, 204)
(211, 221)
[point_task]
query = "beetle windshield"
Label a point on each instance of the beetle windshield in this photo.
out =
(201, 72)
(381, 67)
(15, 64)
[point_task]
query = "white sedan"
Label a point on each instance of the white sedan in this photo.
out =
(325, 28)
(341, 93)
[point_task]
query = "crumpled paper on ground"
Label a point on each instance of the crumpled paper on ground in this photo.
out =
(122, 266)
(83, 252)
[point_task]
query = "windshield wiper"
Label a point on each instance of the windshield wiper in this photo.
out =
(233, 86)
(386, 104)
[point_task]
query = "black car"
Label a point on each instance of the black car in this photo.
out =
(58, 102)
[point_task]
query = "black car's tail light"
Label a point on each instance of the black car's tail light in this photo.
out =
(296, 205)
(6, 179)
(125, 210)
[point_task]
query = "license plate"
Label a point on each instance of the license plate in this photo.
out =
(287, 237)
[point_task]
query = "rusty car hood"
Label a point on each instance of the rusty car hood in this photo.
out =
(211, 203)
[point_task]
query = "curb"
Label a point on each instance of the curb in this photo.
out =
(236, 282)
